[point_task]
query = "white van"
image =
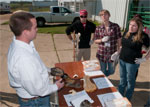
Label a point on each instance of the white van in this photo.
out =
(4, 7)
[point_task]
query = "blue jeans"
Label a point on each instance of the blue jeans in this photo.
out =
(38, 102)
(107, 68)
(127, 78)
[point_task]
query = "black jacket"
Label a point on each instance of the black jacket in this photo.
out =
(85, 33)
(132, 50)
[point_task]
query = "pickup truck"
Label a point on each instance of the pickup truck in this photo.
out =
(57, 15)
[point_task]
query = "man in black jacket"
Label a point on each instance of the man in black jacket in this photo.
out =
(84, 29)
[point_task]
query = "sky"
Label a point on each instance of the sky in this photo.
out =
(8, 1)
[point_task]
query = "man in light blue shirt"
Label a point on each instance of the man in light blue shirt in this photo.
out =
(26, 71)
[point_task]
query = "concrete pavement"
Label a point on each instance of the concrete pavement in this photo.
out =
(55, 49)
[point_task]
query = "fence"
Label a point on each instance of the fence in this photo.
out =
(143, 11)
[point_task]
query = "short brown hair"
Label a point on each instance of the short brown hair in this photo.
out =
(104, 11)
(20, 21)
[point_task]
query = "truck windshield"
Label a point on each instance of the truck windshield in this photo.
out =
(64, 10)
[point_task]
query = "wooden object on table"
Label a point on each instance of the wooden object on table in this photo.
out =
(88, 85)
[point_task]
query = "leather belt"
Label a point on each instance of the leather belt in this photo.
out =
(26, 99)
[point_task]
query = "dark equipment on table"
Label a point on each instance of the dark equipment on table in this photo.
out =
(69, 82)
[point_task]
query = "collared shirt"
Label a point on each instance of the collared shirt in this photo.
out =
(104, 51)
(26, 71)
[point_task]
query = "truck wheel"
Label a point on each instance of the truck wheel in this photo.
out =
(40, 22)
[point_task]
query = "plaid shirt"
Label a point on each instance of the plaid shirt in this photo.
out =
(104, 52)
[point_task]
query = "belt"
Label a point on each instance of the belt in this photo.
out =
(26, 99)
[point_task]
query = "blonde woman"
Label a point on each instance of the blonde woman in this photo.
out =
(131, 56)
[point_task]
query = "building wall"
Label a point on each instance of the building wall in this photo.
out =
(90, 6)
(117, 8)
(74, 5)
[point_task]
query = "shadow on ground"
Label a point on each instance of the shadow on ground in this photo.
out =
(140, 101)
(9, 97)
(142, 85)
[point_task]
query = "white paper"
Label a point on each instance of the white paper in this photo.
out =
(102, 82)
(91, 65)
(79, 96)
(93, 73)
(89, 62)
(108, 97)
(118, 102)
(76, 102)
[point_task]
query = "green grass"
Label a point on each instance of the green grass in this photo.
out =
(5, 23)
(53, 29)
(57, 29)
(96, 23)
(27, 6)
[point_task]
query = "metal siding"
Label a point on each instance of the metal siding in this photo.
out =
(120, 12)
(117, 9)
(90, 7)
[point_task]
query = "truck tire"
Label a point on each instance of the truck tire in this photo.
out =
(40, 22)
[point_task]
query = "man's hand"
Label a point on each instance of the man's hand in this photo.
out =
(105, 39)
(139, 60)
(91, 42)
(114, 56)
(59, 84)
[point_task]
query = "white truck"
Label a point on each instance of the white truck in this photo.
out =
(57, 15)
(4, 7)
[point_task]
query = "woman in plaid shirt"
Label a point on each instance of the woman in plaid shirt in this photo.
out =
(108, 37)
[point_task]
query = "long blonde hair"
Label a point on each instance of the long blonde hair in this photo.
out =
(138, 36)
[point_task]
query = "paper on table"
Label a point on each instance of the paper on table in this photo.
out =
(79, 96)
(89, 62)
(118, 102)
(93, 73)
(76, 102)
(91, 65)
(102, 82)
(108, 97)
